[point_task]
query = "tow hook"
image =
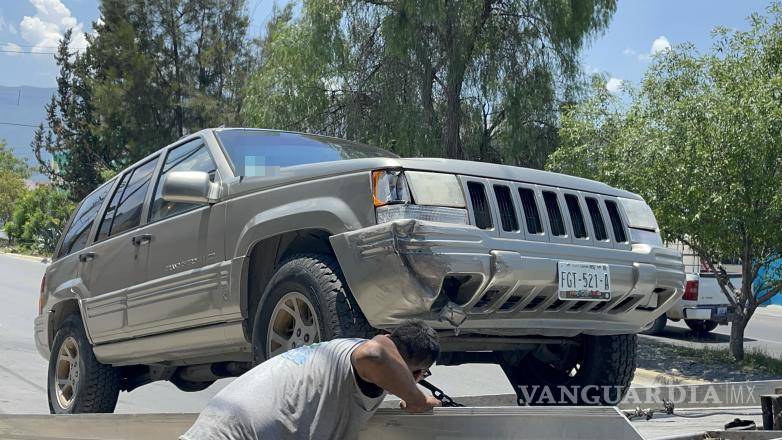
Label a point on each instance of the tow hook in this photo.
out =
(453, 314)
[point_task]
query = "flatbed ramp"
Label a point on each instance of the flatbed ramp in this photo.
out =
(540, 423)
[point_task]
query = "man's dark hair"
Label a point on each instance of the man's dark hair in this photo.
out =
(417, 342)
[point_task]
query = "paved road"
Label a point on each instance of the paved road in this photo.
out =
(23, 370)
(763, 332)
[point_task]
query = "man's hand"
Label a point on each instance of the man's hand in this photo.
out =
(427, 405)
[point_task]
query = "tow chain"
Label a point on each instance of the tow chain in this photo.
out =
(439, 394)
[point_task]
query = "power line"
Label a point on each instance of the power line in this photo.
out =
(35, 45)
(17, 124)
(27, 52)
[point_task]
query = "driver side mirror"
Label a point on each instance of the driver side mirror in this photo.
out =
(189, 187)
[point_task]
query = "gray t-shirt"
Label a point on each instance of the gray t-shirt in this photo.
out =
(307, 393)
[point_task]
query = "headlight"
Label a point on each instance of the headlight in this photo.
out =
(639, 214)
(389, 187)
(435, 197)
(435, 189)
(642, 236)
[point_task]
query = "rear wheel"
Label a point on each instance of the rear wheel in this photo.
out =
(596, 370)
(700, 326)
(657, 326)
(306, 301)
(77, 382)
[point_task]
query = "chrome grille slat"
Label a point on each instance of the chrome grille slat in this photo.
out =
(480, 205)
(508, 219)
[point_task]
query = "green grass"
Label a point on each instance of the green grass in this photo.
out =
(755, 359)
(22, 251)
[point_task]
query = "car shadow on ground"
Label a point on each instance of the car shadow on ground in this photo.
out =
(685, 334)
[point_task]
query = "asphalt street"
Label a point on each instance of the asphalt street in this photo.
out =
(763, 332)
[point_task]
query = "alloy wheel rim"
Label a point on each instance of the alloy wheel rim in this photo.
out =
(66, 372)
(293, 324)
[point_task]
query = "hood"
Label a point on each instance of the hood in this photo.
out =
(300, 173)
(517, 174)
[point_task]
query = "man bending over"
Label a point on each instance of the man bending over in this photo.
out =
(327, 390)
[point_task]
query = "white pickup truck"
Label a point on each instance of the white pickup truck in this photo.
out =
(702, 307)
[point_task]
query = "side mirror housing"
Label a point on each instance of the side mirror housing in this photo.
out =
(189, 187)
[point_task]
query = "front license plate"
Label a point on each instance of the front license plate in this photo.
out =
(583, 281)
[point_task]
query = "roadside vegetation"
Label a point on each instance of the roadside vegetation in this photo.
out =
(31, 218)
(711, 364)
(701, 140)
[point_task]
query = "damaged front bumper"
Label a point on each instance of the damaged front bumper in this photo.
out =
(502, 287)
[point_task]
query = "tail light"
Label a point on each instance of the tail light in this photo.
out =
(41, 299)
(691, 290)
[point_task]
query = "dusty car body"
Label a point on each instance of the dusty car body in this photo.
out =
(471, 248)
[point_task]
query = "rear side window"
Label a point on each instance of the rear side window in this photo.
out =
(192, 156)
(76, 237)
(124, 210)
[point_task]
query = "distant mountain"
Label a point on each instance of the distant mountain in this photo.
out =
(22, 105)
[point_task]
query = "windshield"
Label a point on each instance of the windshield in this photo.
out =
(263, 153)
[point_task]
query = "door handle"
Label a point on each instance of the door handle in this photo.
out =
(87, 256)
(138, 240)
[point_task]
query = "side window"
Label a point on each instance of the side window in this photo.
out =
(192, 156)
(76, 237)
(124, 210)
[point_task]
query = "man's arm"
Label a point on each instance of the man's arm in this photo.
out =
(379, 362)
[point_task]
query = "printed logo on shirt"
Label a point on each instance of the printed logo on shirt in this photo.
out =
(301, 355)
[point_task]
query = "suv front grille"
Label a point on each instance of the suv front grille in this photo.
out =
(566, 221)
(505, 205)
(616, 221)
(480, 205)
(531, 214)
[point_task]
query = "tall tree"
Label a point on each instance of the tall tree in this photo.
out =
(154, 71)
(479, 79)
(13, 171)
(702, 141)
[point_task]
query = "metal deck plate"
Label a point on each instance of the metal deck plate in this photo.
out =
(540, 423)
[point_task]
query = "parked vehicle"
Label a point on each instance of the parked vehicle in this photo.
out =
(702, 309)
(233, 245)
(703, 306)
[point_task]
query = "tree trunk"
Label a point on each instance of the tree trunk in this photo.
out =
(737, 335)
(453, 147)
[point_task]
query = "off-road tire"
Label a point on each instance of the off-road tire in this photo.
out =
(658, 325)
(99, 384)
(320, 279)
(607, 366)
(700, 326)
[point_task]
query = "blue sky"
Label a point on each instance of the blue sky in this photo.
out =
(622, 53)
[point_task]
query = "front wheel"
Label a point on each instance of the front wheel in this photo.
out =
(700, 326)
(306, 301)
(593, 370)
(77, 382)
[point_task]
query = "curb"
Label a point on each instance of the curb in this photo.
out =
(43, 260)
(651, 377)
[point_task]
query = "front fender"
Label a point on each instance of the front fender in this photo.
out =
(330, 214)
